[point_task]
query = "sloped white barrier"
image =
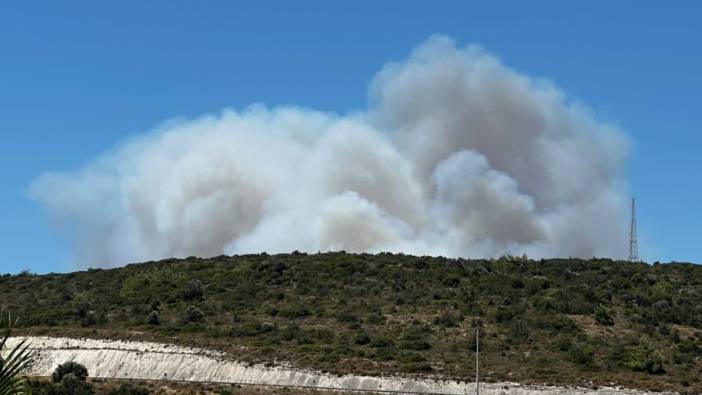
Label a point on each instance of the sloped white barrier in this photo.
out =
(154, 361)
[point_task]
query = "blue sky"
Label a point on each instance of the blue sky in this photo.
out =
(77, 77)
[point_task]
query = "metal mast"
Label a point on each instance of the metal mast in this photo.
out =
(633, 240)
(477, 361)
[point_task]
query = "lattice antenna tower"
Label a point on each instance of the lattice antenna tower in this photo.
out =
(633, 239)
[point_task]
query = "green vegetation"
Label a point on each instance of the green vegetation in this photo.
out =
(69, 368)
(69, 378)
(559, 321)
(12, 362)
(146, 387)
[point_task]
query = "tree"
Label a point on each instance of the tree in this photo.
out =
(154, 318)
(604, 316)
(194, 291)
(193, 314)
(71, 378)
(72, 385)
(77, 370)
(13, 363)
(645, 358)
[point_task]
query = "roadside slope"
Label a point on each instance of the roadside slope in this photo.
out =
(153, 361)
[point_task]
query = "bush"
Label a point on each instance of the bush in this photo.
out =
(129, 389)
(557, 324)
(517, 332)
(561, 343)
(361, 339)
(381, 342)
(448, 319)
(70, 384)
(194, 314)
(154, 318)
(90, 319)
(294, 311)
(416, 345)
(604, 316)
(194, 291)
(503, 314)
(347, 317)
(451, 281)
(644, 358)
(615, 356)
(416, 367)
(77, 370)
(582, 354)
(42, 387)
(375, 319)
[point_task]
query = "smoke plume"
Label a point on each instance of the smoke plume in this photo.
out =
(457, 155)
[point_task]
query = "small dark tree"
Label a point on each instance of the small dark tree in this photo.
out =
(503, 314)
(154, 318)
(193, 314)
(77, 370)
(194, 291)
(361, 338)
(604, 316)
(448, 319)
(72, 385)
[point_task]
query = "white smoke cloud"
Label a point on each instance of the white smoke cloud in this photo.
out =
(457, 155)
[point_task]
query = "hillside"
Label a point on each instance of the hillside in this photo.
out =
(564, 321)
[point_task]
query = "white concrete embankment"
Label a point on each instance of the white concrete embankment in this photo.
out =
(154, 361)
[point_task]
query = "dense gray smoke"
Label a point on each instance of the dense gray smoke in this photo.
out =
(457, 155)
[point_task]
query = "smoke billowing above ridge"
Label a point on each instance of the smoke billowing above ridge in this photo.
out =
(456, 155)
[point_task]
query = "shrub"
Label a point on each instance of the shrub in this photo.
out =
(503, 314)
(517, 283)
(194, 314)
(416, 345)
(361, 339)
(347, 317)
(83, 311)
(375, 319)
(562, 343)
(294, 311)
(416, 367)
(194, 291)
(615, 356)
(77, 370)
(517, 332)
(644, 358)
(556, 323)
(90, 319)
(73, 385)
(604, 316)
(129, 389)
(154, 318)
(448, 319)
(381, 342)
(582, 354)
(451, 281)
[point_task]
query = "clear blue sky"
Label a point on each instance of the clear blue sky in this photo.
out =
(78, 77)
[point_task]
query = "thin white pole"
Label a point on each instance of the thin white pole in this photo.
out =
(477, 361)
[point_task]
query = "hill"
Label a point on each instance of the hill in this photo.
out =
(560, 321)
